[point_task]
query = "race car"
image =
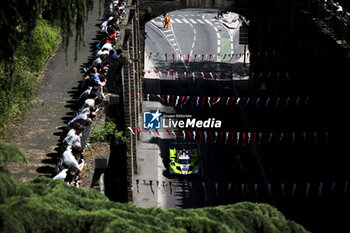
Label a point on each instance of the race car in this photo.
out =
(183, 162)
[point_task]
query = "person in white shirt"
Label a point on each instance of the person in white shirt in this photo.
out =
(91, 103)
(102, 51)
(69, 157)
(100, 60)
(85, 95)
(104, 24)
(83, 116)
(68, 175)
(74, 135)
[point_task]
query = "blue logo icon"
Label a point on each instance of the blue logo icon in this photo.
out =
(151, 120)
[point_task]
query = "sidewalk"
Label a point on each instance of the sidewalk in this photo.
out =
(39, 134)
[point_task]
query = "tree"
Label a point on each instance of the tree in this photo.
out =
(47, 205)
(19, 17)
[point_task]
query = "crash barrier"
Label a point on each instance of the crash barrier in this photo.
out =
(193, 58)
(226, 101)
(214, 75)
(318, 189)
(241, 138)
(218, 57)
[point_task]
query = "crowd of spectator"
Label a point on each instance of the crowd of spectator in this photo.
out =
(335, 16)
(89, 103)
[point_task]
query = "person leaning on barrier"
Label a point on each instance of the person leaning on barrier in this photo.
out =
(68, 175)
(100, 60)
(91, 109)
(85, 95)
(74, 135)
(91, 103)
(64, 162)
(83, 117)
(70, 156)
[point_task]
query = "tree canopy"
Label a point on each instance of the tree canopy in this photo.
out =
(46, 205)
(19, 17)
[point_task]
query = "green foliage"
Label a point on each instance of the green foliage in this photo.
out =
(9, 153)
(104, 131)
(19, 18)
(47, 205)
(44, 40)
(17, 82)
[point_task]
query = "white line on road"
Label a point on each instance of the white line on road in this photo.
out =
(208, 22)
(192, 21)
(178, 21)
(200, 21)
(185, 20)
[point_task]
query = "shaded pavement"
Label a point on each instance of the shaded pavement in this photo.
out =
(39, 133)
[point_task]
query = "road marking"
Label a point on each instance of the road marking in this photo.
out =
(171, 39)
(194, 38)
(177, 20)
(200, 21)
(218, 35)
(215, 29)
(192, 45)
(185, 20)
(208, 22)
(219, 42)
(192, 21)
(194, 31)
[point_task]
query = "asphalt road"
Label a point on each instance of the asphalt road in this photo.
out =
(289, 166)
